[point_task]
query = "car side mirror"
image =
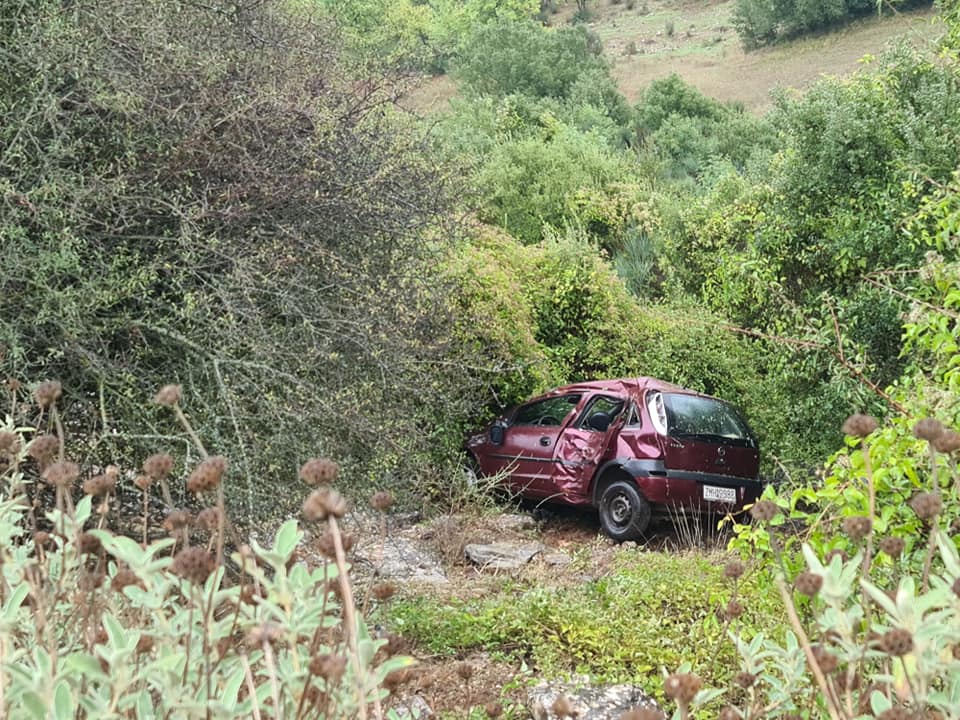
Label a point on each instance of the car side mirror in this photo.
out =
(599, 421)
(497, 431)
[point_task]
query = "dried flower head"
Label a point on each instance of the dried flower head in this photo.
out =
(857, 527)
(43, 447)
(897, 712)
(728, 712)
(926, 505)
(733, 569)
(194, 564)
(100, 484)
(125, 577)
(892, 546)
(207, 474)
(324, 503)
(896, 642)
(88, 544)
(42, 538)
(47, 393)
(562, 707)
(764, 510)
(947, 442)
(382, 500)
(145, 644)
(158, 466)
(383, 591)
(745, 679)
(12, 384)
(9, 442)
(825, 659)
(928, 429)
(859, 425)
(329, 667)
(62, 474)
(176, 520)
(168, 395)
(493, 709)
(682, 687)
(264, 634)
(733, 610)
(644, 712)
(836, 552)
(808, 583)
(209, 518)
(326, 547)
(319, 471)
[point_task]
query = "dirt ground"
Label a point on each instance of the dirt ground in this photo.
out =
(695, 40)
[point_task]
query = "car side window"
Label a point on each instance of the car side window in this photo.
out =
(609, 405)
(552, 411)
(633, 418)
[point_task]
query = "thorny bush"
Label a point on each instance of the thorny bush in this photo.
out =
(97, 624)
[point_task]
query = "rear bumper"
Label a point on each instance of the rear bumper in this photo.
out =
(686, 489)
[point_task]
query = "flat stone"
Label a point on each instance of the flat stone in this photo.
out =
(412, 707)
(503, 555)
(557, 559)
(512, 522)
(590, 702)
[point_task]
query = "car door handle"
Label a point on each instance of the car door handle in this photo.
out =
(545, 441)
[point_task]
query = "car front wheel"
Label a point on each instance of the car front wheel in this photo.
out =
(624, 512)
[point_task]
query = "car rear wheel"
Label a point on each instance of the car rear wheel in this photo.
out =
(624, 512)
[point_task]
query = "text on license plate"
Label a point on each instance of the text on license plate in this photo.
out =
(719, 494)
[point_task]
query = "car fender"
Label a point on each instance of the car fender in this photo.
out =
(636, 468)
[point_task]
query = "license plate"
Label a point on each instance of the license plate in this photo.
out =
(720, 494)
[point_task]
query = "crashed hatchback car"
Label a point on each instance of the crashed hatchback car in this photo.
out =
(630, 448)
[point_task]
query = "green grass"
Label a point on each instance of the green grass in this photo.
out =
(653, 610)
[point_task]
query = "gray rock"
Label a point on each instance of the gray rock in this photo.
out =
(590, 702)
(503, 555)
(557, 558)
(512, 522)
(412, 707)
(403, 559)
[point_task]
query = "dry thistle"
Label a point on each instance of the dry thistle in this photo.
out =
(168, 395)
(207, 474)
(176, 520)
(897, 642)
(897, 713)
(330, 667)
(734, 610)
(745, 679)
(101, 484)
(47, 393)
(493, 709)
(383, 591)
(682, 687)
(324, 503)
(43, 448)
(733, 569)
(465, 671)
(264, 634)
(9, 442)
(857, 527)
(947, 442)
(642, 713)
(836, 552)
(825, 659)
(764, 511)
(892, 546)
(158, 466)
(125, 577)
(808, 583)
(562, 707)
(209, 518)
(859, 425)
(382, 500)
(319, 471)
(193, 564)
(88, 544)
(728, 712)
(62, 474)
(926, 505)
(144, 644)
(928, 429)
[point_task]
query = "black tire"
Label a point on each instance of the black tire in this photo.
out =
(624, 512)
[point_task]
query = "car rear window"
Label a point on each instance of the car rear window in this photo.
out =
(702, 418)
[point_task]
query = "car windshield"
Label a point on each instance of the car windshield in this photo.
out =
(702, 418)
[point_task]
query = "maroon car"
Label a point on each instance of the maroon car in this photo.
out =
(629, 448)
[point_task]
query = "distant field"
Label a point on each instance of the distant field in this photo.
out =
(705, 51)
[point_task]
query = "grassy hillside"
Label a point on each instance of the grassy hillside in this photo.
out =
(703, 49)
